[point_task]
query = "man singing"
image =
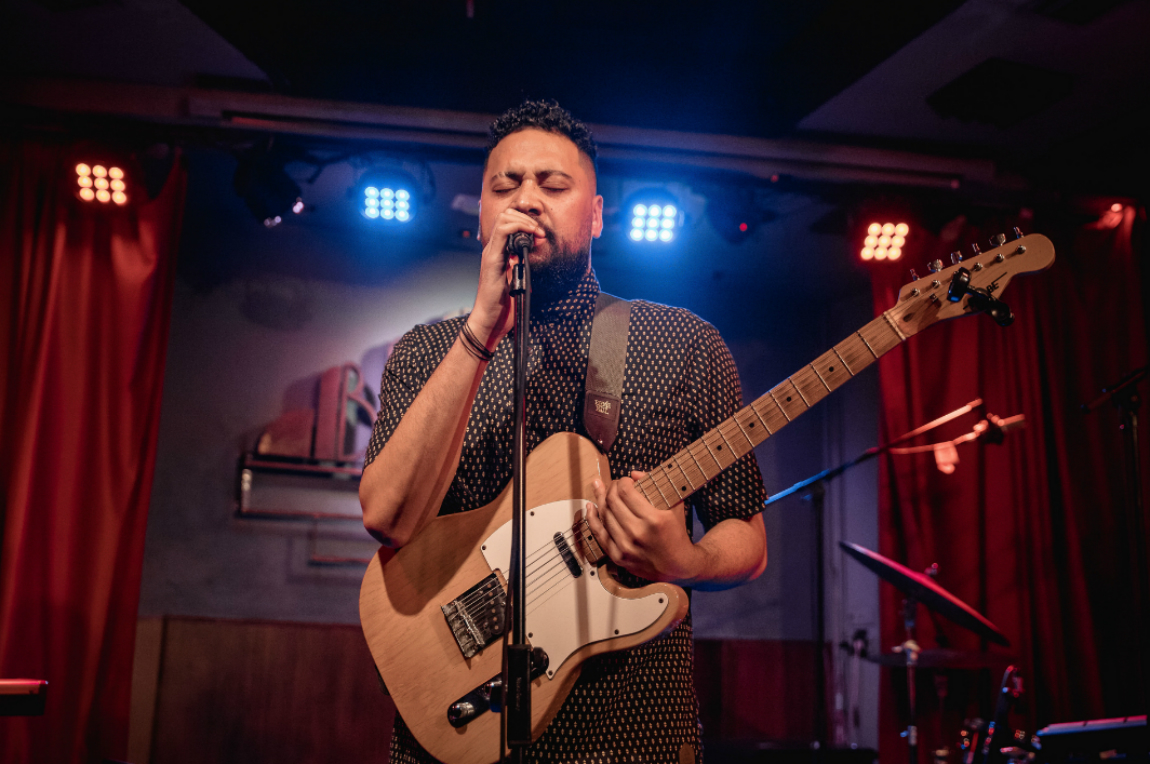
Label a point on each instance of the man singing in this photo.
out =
(442, 442)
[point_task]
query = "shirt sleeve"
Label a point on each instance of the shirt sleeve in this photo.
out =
(714, 387)
(404, 375)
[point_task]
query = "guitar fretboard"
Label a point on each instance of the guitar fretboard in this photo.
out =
(694, 466)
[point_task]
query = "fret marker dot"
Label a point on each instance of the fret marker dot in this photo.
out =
(788, 399)
(752, 425)
(683, 488)
(720, 448)
(831, 368)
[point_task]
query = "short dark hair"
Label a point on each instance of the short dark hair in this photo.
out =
(548, 116)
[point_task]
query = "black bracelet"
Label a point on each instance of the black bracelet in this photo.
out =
(473, 345)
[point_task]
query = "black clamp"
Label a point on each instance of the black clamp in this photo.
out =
(980, 299)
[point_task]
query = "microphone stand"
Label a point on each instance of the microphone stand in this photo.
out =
(1123, 394)
(817, 497)
(517, 652)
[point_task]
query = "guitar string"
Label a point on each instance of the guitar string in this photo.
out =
(536, 578)
(535, 559)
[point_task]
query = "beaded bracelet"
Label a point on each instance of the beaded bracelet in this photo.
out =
(473, 345)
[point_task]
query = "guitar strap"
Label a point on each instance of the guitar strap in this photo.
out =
(606, 361)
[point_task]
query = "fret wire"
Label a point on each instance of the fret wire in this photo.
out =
(643, 490)
(660, 490)
(893, 325)
(800, 392)
(714, 458)
(743, 429)
(666, 473)
(868, 347)
(675, 459)
(654, 481)
(719, 430)
(702, 471)
(674, 483)
(761, 420)
(776, 400)
(820, 376)
(843, 360)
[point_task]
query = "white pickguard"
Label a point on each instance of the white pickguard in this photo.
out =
(567, 613)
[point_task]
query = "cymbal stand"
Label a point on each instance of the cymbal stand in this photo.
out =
(910, 651)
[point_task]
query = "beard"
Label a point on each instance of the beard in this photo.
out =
(557, 276)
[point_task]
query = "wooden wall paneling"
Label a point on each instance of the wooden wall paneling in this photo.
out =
(254, 692)
(145, 686)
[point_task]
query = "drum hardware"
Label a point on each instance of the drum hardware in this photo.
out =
(921, 588)
(944, 658)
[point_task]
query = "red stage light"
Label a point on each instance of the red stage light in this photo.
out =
(884, 241)
(97, 182)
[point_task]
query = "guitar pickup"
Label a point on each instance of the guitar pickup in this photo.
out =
(476, 618)
(568, 556)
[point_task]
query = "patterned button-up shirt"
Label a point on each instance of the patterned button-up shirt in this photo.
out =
(679, 382)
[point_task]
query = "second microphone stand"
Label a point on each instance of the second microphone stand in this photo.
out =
(817, 496)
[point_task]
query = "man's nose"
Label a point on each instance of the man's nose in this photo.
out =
(527, 200)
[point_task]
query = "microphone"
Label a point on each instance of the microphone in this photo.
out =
(519, 244)
(993, 429)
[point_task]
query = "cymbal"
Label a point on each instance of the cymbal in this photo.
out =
(945, 658)
(923, 589)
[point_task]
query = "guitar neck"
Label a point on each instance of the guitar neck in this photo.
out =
(697, 464)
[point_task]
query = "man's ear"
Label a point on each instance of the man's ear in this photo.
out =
(597, 217)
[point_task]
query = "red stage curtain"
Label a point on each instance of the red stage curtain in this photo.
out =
(1035, 533)
(87, 296)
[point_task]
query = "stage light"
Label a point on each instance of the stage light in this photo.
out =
(884, 241)
(264, 185)
(100, 183)
(653, 216)
(387, 196)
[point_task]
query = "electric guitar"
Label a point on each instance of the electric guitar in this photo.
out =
(432, 612)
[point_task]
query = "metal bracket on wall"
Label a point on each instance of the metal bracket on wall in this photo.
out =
(305, 490)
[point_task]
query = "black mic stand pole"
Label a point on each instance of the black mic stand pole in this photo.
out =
(517, 666)
(1123, 394)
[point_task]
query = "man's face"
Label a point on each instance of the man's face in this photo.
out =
(545, 176)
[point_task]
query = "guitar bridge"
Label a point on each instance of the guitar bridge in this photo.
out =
(476, 618)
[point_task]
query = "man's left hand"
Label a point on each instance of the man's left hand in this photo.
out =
(646, 541)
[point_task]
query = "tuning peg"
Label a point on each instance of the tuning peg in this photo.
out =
(935, 266)
(1017, 232)
(913, 275)
(955, 258)
(975, 250)
(998, 240)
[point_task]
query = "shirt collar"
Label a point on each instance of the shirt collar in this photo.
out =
(575, 306)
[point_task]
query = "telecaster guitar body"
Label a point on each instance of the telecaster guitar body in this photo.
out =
(569, 616)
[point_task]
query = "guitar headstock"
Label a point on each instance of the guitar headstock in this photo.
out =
(928, 300)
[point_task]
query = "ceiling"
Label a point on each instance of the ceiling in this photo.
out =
(973, 110)
(1057, 90)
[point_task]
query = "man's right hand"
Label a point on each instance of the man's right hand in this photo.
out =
(493, 314)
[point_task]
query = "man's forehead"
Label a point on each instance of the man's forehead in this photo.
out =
(533, 150)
